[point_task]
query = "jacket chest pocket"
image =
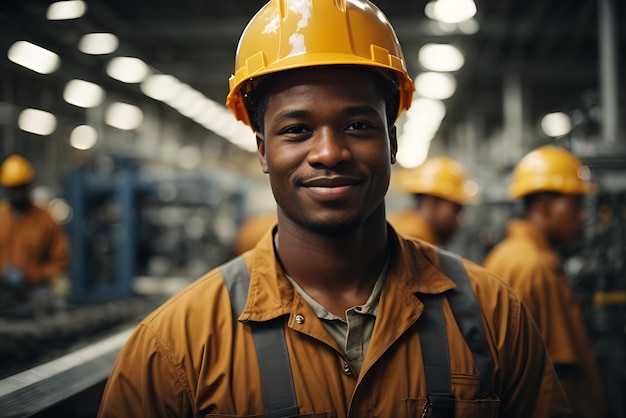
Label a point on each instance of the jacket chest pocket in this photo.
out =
(479, 408)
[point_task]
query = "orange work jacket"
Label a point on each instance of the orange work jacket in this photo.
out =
(191, 358)
(525, 260)
(33, 242)
(409, 223)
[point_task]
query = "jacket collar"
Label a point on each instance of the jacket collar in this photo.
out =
(414, 268)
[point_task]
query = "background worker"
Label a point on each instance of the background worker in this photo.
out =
(440, 190)
(551, 182)
(322, 83)
(252, 229)
(33, 246)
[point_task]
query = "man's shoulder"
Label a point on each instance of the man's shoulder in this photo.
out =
(205, 298)
(40, 213)
(482, 280)
(4, 207)
(481, 277)
(516, 254)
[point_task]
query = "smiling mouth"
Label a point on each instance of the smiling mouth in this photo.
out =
(330, 182)
(331, 188)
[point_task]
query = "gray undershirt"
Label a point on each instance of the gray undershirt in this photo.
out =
(354, 333)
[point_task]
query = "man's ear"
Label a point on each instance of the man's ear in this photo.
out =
(260, 145)
(393, 143)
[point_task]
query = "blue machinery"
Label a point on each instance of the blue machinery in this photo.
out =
(107, 217)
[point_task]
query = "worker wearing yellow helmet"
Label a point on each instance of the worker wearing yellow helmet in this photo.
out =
(323, 317)
(33, 246)
(441, 189)
(551, 182)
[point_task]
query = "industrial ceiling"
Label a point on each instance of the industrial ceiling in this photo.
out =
(550, 47)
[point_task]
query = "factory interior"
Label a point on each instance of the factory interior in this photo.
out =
(119, 105)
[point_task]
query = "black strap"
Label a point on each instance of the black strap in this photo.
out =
(467, 314)
(434, 343)
(237, 281)
(270, 344)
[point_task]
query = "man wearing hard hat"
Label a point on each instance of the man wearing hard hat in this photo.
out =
(441, 189)
(33, 246)
(333, 314)
(552, 181)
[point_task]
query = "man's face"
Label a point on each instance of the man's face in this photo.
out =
(19, 197)
(566, 217)
(327, 148)
(446, 219)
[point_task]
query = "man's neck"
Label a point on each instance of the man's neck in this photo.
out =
(20, 209)
(334, 270)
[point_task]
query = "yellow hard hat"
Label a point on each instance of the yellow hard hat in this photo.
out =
(289, 34)
(442, 177)
(16, 171)
(550, 169)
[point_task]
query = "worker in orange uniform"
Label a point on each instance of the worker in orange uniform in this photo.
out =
(33, 246)
(441, 189)
(552, 182)
(332, 313)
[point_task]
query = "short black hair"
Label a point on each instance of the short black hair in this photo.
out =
(256, 97)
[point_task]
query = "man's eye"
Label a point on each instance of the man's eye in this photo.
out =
(356, 126)
(294, 130)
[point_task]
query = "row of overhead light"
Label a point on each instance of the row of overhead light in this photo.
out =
(85, 94)
(436, 83)
(433, 86)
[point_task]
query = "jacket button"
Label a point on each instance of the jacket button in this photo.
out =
(299, 319)
(346, 368)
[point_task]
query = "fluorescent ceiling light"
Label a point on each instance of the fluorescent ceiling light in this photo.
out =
(450, 11)
(188, 101)
(37, 121)
(33, 57)
(184, 95)
(83, 137)
(435, 85)
(441, 57)
(62, 10)
(98, 43)
(124, 116)
(424, 115)
(161, 87)
(60, 210)
(469, 26)
(423, 121)
(127, 69)
(411, 153)
(83, 93)
(556, 124)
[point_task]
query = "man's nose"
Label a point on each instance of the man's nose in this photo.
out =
(328, 148)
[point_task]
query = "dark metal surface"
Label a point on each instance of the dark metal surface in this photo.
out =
(39, 388)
